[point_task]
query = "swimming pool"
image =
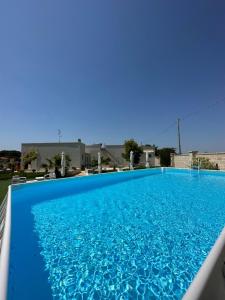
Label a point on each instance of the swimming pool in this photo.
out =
(132, 235)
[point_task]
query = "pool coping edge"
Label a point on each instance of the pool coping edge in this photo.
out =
(5, 249)
(209, 282)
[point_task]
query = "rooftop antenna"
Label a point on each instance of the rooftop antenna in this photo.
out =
(59, 135)
(178, 136)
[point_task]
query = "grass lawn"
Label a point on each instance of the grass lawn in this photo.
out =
(4, 188)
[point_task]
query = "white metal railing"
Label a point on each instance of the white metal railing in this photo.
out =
(5, 243)
(2, 218)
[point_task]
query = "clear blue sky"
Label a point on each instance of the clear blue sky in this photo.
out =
(105, 71)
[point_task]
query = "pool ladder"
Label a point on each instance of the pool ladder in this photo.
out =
(194, 167)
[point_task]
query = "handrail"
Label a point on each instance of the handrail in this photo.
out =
(198, 165)
(5, 243)
(111, 156)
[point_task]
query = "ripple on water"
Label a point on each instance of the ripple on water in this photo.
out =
(140, 239)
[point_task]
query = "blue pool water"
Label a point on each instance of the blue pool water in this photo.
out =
(135, 235)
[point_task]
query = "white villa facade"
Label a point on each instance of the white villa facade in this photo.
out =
(75, 150)
(82, 155)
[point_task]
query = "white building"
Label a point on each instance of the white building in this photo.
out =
(82, 155)
(75, 150)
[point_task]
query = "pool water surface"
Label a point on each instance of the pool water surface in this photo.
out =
(141, 238)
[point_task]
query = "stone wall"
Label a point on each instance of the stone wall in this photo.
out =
(180, 161)
(216, 158)
(156, 161)
(184, 160)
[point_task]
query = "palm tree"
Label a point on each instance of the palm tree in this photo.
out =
(29, 157)
(55, 162)
(50, 163)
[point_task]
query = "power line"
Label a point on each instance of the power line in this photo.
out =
(173, 124)
(189, 115)
(193, 113)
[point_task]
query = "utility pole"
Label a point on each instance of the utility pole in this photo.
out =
(59, 135)
(178, 135)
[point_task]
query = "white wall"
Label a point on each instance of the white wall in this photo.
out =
(76, 152)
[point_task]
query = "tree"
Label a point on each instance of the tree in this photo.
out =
(50, 163)
(105, 161)
(154, 147)
(13, 158)
(131, 145)
(164, 155)
(11, 154)
(57, 160)
(29, 157)
(94, 163)
(45, 166)
(204, 163)
(55, 163)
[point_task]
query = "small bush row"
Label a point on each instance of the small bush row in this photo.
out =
(5, 176)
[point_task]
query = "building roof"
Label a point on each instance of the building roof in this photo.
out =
(51, 144)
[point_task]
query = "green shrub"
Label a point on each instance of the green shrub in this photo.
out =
(94, 163)
(205, 163)
(165, 156)
(30, 175)
(132, 145)
(139, 167)
(7, 175)
(29, 157)
(107, 171)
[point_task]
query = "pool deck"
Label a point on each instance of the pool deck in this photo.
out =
(209, 283)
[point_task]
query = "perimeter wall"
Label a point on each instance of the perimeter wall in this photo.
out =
(185, 160)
